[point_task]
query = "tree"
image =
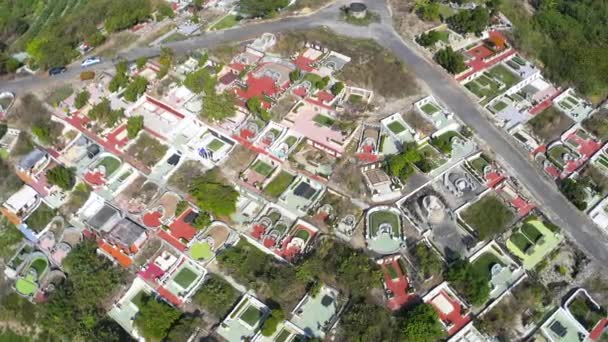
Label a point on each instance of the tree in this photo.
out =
(429, 38)
(134, 125)
(141, 62)
(261, 8)
(126, 14)
(295, 75)
(9, 182)
(422, 324)
(430, 264)
(213, 196)
(202, 221)
(450, 60)
(11, 65)
(322, 83)
(217, 107)
(471, 281)
(104, 113)
(575, 192)
(216, 296)
(364, 321)
(61, 176)
(254, 105)
(200, 81)
(155, 318)
(164, 11)
(82, 99)
(470, 21)
(337, 88)
(428, 10)
(134, 90)
(74, 310)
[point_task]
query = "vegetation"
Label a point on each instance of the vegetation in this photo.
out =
(263, 273)
(276, 317)
(597, 124)
(10, 237)
(372, 66)
(427, 10)
(428, 261)
(568, 37)
(31, 114)
(155, 318)
(429, 38)
(254, 105)
(450, 60)
(217, 107)
(202, 221)
(213, 196)
(147, 149)
(216, 296)
(134, 125)
(61, 176)
(472, 282)
(422, 324)
(365, 321)
(279, 184)
(82, 99)
(488, 216)
(135, 89)
(200, 81)
(402, 165)
(261, 8)
(103, 113)
(9, 182)
(337, 88)
(295, 75)
(470, 21)
(574, 190)
(78, 197)
(74, 310)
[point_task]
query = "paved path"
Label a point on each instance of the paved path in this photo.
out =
(579, 227)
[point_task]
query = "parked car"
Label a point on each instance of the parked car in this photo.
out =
(90, 61)
(57, 70)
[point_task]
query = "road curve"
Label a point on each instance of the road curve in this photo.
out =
(579, 227)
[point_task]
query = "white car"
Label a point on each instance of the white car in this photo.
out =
(90, 61)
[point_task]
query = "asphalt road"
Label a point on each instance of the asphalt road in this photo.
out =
(579, 227)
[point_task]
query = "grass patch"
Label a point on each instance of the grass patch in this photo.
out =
(251, 315)
(323, 120)
(586, 312)
(488, 216)
(483, 264)
(392, 272)
(444, 142)
(531, 232)
(521, 242)
(226, 22)
(501, 73)
(479, 164)
(429, 108)
(215, 145)
(279, 184)
(396, 127)
(262, 168)
(302, 234)
(39, 265)
(498, 106)
(185, 277)
(110, 164)
(377, 218)
(369, 18)
(175, 37)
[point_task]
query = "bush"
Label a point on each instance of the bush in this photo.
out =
(134, 125)
(488, 216)
(472, 282)
(216, 296)
(575, 192)
(422, 324)
(135, 89)
(61, 176)
(213, 196)
(82, 99)
(450, 60)
(337, 88)
(87, 75)
(270, 325)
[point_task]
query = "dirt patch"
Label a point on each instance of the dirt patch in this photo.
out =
(562, 268)
(182, 178)
(371, 66)
(405, 21)
(550, 124)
